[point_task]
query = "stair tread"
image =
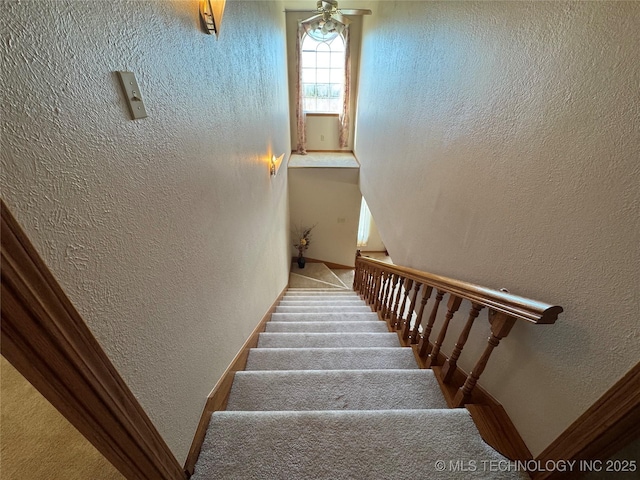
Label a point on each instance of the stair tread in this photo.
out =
(343, 444)
(330, 358)
(329, 339)
(335, 390)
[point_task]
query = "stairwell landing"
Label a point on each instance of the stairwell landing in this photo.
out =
(329, 393)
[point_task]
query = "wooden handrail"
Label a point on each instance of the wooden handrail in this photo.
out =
(387, 288)
(512, 305)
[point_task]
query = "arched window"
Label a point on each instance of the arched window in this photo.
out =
(322, 66)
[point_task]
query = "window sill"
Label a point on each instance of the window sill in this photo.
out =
(320, 114)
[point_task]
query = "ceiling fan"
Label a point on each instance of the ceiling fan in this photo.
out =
(329, 17)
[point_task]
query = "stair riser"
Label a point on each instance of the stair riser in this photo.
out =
(345, 309)
(330, 358)
(333, 293)
(335, 390)
(324, 317)
(321, 303)
(327, 327)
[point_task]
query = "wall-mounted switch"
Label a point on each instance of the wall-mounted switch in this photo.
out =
(132, 94)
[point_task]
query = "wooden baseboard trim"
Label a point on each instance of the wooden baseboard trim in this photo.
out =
(611, 423)
(497, 429)
(48, 342)
(217, 399)
(330, 265)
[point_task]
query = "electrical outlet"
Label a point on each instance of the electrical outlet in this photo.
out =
(322, 138)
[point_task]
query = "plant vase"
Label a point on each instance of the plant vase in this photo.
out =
(301, 261)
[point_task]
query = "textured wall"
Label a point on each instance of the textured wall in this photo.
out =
(330, 199)
(499, 144)
(167, 233)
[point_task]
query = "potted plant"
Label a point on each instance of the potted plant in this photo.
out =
(304, 238)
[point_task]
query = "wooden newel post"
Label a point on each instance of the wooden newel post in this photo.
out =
(500, 327)
(356, 276)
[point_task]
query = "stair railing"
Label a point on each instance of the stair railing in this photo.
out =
(400, 296)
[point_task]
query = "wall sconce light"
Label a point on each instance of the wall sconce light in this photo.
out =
(211, 15)
(274, 164)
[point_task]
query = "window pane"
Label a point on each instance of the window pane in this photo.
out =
(335, 105)
(309, 89)
(310, 104)
(323, 76)
(323, 90)
(324, 60)
(309, 59)
(323, 105)
(308, 75)
(336, 90)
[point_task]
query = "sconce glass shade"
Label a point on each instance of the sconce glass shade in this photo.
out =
(274, 164)
(211, 15)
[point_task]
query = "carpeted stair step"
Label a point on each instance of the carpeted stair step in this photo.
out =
(321, 309)
(321, 297)
(326, 340)
(325, 317)
(335, 390)
(321, 303)
(308, 296)
(327, 326)
(351, 444)
(330, 358)
(320, 292)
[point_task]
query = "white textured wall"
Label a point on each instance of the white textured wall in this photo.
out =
(330, 199)
(500, 144)
(167, 233)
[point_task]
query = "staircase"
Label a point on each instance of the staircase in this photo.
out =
(329, 393)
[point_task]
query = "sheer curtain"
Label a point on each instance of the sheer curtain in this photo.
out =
(346, 98)
(364, 225)
(301, 121)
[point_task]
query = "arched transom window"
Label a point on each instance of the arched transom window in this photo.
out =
(323, 74)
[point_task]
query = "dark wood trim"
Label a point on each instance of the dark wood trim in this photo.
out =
(46, 340)
(610, 424)
(497, 429)
(330, 265)
(218, 397)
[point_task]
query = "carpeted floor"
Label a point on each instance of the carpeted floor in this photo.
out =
(37, 442)
(329, 394)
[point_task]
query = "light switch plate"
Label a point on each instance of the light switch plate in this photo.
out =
(132, 95)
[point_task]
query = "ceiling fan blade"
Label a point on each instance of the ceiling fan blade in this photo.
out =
(301, 10)
(355, 11)
(312, 18)
(341, 18)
